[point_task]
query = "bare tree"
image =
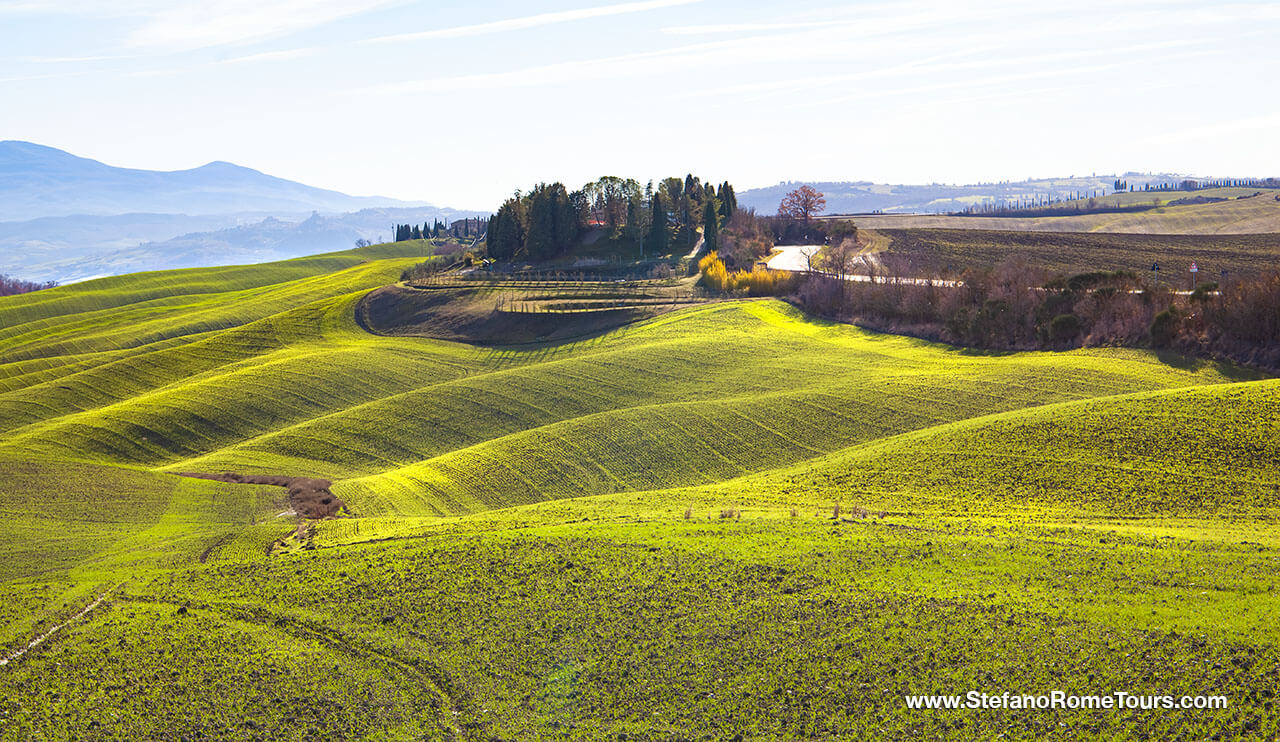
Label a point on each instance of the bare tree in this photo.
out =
(802, 203)
(838, 260)
(812, 257)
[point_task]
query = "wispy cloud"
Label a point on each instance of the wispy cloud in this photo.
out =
(723, 28)
(533, 21)
(177, 25)
(604, 68)
(948, 65)
(77, 60)
(222, 22)
(270, 56)
(1220, 129)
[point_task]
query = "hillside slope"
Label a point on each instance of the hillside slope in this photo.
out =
(207, 382)
(629, 536)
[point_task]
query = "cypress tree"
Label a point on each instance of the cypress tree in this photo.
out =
(728, 202)
(632, 232)
(711, 224)
(566, 219)
(540, 239)
(655, 242)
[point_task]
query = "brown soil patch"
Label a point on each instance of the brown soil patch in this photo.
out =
(310, 498)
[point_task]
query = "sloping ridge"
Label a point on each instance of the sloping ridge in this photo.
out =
(1191, 451)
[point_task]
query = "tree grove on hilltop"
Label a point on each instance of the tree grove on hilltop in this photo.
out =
(548, 221)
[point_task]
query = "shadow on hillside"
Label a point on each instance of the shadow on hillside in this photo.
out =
(1191, 363)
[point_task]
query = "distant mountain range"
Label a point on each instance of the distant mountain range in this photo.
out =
(67, 218)
(859, 197)
(38, 181)
(258, 242)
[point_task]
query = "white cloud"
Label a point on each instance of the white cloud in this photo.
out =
(533, 21)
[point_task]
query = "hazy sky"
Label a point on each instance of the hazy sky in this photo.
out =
(459, 104)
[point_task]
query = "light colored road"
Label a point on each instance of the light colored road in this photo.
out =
(795, 258)
(697, 247)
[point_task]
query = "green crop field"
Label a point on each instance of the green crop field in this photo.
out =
(718, 520)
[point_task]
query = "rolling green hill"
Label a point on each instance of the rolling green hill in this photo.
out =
(632, 535)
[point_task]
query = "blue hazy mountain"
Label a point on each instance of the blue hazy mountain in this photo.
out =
(38, 181)
(260, 241)
(66, 218)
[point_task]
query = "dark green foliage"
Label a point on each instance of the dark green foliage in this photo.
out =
(711, 224)
(506, 230)
(1064, 327)
(548, 221)
(1204, 291)
(655, 241)
(633, 233)
(728, 202)
(540, 237)
(1164, 328)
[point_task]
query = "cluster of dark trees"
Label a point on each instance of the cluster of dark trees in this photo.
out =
(1196, 185)
(470, 227)
(550, 220)
(415, 232)
(1081, 203)
(13, 286)
(1074, 203)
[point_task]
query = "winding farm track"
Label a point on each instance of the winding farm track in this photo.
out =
(43, 637)
(697, 247)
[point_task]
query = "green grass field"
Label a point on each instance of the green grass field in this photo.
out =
(726, 520)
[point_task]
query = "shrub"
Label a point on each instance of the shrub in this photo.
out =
(756, 282)
(1064, 327)
(1164, 328)
(662, 271)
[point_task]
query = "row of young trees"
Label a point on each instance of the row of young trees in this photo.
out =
(1197, 185)
(415, 232)
(549, 220)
